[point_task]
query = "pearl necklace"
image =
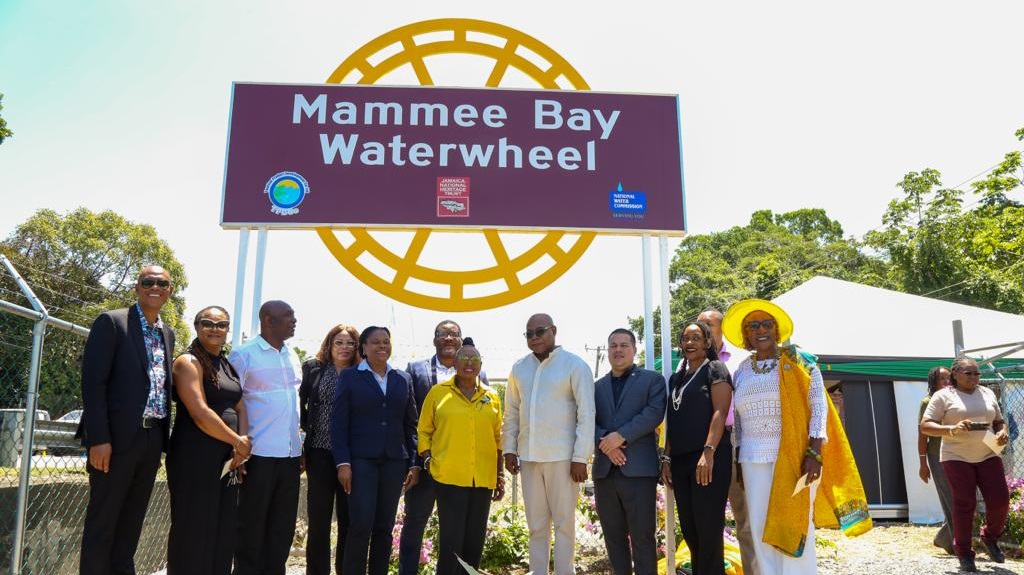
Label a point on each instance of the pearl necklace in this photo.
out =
(677, 394)
(767, 368)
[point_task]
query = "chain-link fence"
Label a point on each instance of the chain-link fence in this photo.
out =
(1011, 401)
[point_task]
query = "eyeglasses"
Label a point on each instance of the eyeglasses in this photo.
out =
(150, 282)
(210, 324)
(343, 343)
(539, 332)
(971, 373)
(447, 334)
(756, 325)
(470, 360)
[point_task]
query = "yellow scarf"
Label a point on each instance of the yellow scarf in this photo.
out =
(840, 501)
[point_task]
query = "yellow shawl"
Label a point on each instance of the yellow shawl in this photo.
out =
(840, 501)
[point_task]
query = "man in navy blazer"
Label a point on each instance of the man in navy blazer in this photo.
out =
(419, 500)
(630, 404)
(126, 384)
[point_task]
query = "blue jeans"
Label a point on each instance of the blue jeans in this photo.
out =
(372, 506)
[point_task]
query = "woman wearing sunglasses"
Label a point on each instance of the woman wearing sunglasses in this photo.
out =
(459, 439)
(324, 496)
(209, 432)
(373, 441)
(698, 467)
(963, 415)
(787, 435)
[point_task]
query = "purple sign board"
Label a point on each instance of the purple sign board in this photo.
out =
(334, 155)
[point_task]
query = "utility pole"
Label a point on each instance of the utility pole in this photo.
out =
(597, 359)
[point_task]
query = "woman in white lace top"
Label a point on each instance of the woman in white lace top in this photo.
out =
(758, 426)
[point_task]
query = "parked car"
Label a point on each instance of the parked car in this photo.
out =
(74, 416)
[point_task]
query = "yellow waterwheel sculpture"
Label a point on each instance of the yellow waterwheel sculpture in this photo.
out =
(508, 49)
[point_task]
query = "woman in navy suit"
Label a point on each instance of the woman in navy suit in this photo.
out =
(373, 440)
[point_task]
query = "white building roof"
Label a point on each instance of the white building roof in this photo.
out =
(836, 317)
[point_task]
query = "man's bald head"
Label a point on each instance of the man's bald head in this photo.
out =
(277, 322)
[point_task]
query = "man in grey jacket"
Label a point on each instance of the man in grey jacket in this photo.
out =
(630, 404)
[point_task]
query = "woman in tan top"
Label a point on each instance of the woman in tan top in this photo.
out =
(962, 415)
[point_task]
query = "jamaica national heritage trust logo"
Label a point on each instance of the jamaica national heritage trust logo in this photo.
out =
(286, 190)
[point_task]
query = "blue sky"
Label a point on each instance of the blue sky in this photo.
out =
(123, 105)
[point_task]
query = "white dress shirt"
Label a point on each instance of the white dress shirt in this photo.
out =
(549, 409)
(270, 381)
(382, 380)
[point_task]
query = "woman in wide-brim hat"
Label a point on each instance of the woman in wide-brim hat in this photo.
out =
(787, 430)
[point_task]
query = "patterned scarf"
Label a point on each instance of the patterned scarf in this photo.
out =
(840, 501)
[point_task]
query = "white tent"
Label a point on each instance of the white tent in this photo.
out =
(840, 319)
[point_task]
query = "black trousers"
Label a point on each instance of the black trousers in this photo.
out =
(372, 505)
(117, 507)
(419, 504)
(627, 508)
(324, 498)
(462, 515)
(702, 507)
(268, 503)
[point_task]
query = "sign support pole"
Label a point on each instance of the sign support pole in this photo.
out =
(666, 369)
(645, 243)
(243, 254)
(257, 283)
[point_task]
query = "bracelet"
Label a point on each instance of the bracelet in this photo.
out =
(810, 452)
(711, 447)
(922, 456)
(665, 459)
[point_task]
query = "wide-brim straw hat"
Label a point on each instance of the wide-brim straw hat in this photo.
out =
(732, 323)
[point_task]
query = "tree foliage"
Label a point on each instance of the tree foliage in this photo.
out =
(769, 256)
(5, 132)
(942, 247)
(79, 264)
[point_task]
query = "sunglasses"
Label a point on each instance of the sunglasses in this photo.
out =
(150, 282)
(539, 332)
(756, 325)
(971, 373)
(343, 343)
(210, 324)
(470, 360)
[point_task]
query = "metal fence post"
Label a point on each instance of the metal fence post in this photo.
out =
(31, 396)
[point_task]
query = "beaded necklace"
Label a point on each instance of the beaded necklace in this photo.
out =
(677, 394)
(767, 368)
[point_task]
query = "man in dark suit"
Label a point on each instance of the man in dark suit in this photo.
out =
(630, 404)
(419, 500)
(126, 383)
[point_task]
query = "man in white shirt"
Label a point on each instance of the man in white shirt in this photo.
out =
(732, 359)
(269, 497)
(548, 433)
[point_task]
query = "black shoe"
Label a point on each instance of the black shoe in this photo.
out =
(967, 564)
(994, 551)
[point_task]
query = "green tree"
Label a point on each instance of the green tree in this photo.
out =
(79, 264)
(971, 254)
(5, 132)
(769, 256)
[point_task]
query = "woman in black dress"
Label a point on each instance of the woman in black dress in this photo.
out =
(699, 466)
(324, 496)
(209, 430)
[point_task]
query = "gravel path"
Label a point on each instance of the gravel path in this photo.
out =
(896, 549)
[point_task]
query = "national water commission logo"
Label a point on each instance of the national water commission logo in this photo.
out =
(286, 190)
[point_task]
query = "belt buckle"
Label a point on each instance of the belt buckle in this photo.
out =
(149, 422)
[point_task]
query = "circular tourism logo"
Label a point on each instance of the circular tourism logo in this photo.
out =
(286, 190)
